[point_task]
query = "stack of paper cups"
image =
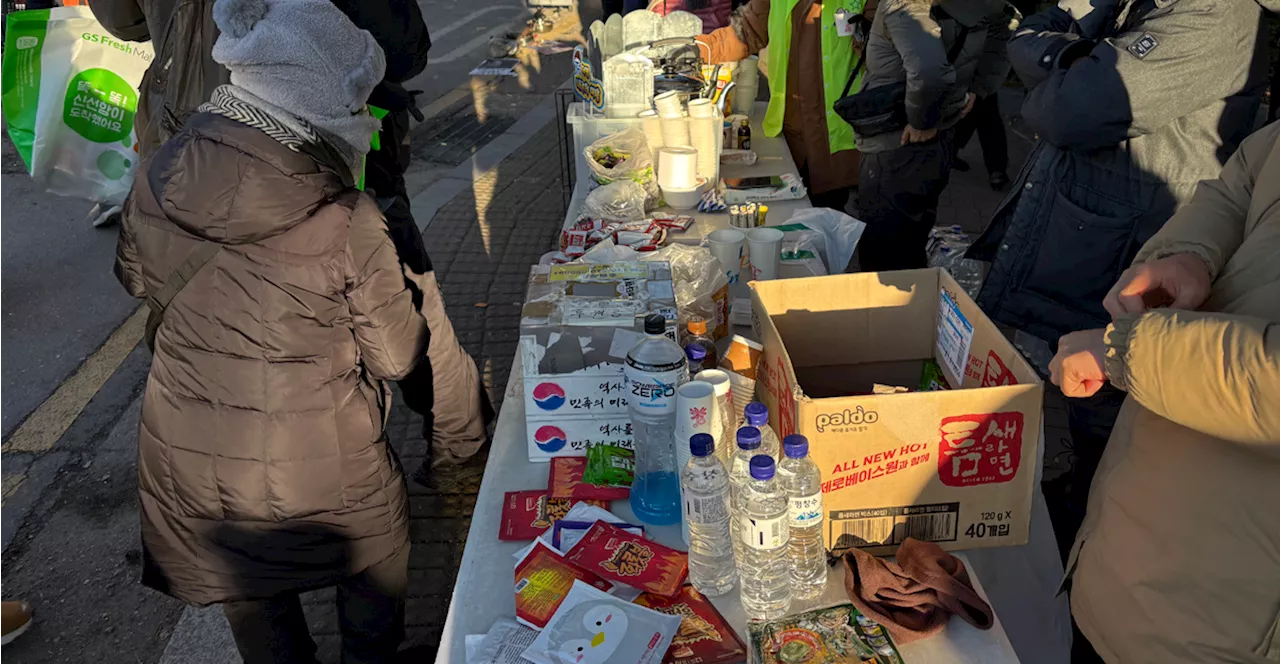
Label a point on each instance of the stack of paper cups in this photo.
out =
(652, 127)
(695, 413)
(675, 132)
(719, 381)
(747, 79)
(669, 104)
(678, 168)
(702, 134)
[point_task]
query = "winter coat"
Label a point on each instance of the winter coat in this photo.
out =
(1178, 560)
(184, 75)
(1126, 131)
(714, 13)
(910, 41)
(262, 464)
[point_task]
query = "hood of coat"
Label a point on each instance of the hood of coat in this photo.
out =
(231, 183)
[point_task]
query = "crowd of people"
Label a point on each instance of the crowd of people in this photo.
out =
(1143, 234)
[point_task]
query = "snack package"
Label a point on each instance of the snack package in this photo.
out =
(566, 481)
(836, 635)
(609, 465)
(742, 357)
(566, 534)
(582, 511)
(704, 637)
(543, 580)
(593, 627)
(623, 557)
(931, 378)
(527, 514)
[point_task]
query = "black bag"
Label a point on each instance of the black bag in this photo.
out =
(883, 109)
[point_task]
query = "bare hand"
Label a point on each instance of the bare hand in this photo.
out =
(912, 135)
(1078, 368)
(969, 100)
(1180, 281)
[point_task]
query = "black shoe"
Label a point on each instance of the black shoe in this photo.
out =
(999, 180)
(960, 165)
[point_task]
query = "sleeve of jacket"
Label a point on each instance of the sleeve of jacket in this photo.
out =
(390, 331)
(1215, 373)
(122, 18)
(746, 34)
(398, 27)
(128, 267)
(1212, 225)
(1086, 95)
(993, 64)
(918, 39)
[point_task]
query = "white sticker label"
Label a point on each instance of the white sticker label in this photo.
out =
(955, 335)
(766, 534)
(806, 510)
(707, 509)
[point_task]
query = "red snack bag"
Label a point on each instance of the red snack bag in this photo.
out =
(543, 578)
(626, 558)
(565, 481)
(704, 637)
(526, 514)
(572, 238)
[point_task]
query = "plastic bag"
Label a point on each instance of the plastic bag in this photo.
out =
(700, 285)
(623, 156)
(623, 200)
(69, 97)
(840, 231)
(946, 248)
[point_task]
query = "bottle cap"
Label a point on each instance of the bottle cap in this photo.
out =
(762, 467)
(748, 438)
(697, 325)
(757, 414)
(702, 444)
(655, 324)
(695, 353)
(795, 446)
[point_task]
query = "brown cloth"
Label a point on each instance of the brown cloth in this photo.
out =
(914, 597)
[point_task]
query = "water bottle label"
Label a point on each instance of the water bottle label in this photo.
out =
(806, 510)
(653, 389)
(707, 509)
(766, 534)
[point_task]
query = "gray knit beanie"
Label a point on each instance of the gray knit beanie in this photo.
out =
(305, 57)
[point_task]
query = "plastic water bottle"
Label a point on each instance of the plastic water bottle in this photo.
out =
(801, 479)
(739, 476)
(655, 369)
(705, 484)
(757, 415)
(766, 579)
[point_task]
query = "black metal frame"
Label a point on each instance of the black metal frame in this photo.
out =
(564, 97)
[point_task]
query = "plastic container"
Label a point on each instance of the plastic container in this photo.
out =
(696, 356)
(655, 369)
(748, 439)
(763, 566)
(682, 199)
(756, 415)
(802, 482)
(705, 485)
(696, 333)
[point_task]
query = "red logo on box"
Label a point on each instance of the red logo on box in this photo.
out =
(980, 449)
(996, 372)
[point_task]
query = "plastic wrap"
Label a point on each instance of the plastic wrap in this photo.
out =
(840, 232)
(623, 156)
(700, 285)
(946, 248)
(623, 200)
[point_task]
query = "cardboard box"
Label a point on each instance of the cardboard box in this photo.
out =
(955, 467)
(577, 324)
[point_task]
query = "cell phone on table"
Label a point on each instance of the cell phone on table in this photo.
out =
(774, 181)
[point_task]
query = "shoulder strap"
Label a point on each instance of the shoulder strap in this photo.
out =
(853, 73)
(177, 280)
(956, 46)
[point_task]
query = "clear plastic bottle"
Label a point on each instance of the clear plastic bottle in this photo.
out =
(757, 415)
(697, 356)
(801, 479)
(739, 475)
(655, 369)
(705, 484)
(766, 577)
(697, 334)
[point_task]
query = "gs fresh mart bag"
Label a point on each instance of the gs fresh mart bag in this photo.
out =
(70, 92)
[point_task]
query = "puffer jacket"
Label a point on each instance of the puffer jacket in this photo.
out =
(1129, 123)
(262, 464)
(910, 41)
(1178, 560)
(714, 13)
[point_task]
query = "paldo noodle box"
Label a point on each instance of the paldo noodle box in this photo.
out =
(543, 580)
(626, 558)
(527, 514)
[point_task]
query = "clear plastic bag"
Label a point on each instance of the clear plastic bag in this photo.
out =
(840, 234)
(623, 200)
(946, 248)
(700, 285)
(623, 156)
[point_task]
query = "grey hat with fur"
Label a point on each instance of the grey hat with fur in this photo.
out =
(304, 57)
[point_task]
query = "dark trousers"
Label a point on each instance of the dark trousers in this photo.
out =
(1090, 421)
(835, 199)
(985, 120)
(370, 617)
(898, 194)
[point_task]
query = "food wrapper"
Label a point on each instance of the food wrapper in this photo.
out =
(678, 223)
(566, 534)
(527, 514)
(931, 378)
(609, 465)
(592, 627)
(704, 637)
(742, 357)
(837, 635)
(543, 580)
(622, 557)
(565, 481)
(573, 238)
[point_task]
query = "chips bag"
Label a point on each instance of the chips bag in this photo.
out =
(704, 637)
(626, 558)
(527, 514)
(566, 481)
(609, 465)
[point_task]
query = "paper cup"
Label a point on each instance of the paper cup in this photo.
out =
(701, 108)
(765, 245)
(696, 411)
(726, 246)
(723, 387)
(669, 104)
(675, 132)
(678, 168)
(652, 126)
(702, 135)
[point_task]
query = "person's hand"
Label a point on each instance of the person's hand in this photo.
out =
(1078, 368)
(912, 135)
(1180, 281)
(969, 100)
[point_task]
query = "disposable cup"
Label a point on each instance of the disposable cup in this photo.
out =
(701, 108)
(652, 126)
(669, 104)
(726, 246)
(765, 246)
(675, 132)
(723, 386)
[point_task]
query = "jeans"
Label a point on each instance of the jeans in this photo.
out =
(370, 616)
(898, 194)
